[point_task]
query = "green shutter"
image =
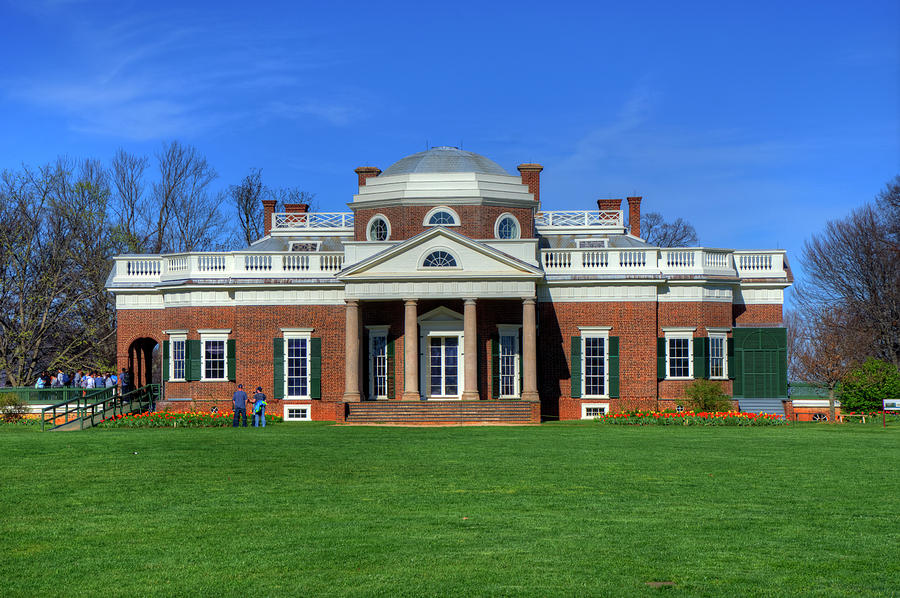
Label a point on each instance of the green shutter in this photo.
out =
(730, 344)
(278, 368)
(232, 360)
(495, 367)
(781, 356)
(165, 363)
(660, 358)
(575, 368)
(701, 361)
(194, 353)
(391, 371)
(737, 369)
(315, 368)
(614, 367)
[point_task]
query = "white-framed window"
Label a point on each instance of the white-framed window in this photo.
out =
(509, 360)
(718, 356)
(592, 410)
(595, 361)
(177, 354)
(297, 413)
(679, 353)
(378, 362)
(592, 243)
(440, 258)
(296, 362)
(214, 354)
(305, 246)
(507, 227)
(378, 228)
(441, 216)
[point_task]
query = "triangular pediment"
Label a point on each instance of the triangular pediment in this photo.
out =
(462, 258)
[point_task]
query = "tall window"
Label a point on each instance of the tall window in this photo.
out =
(717, 356)
(678, 355)
(378, 362)
(509, 364)
(177, 351)
(443, 362)
(594, 366)
(297, 366)
(214, 359)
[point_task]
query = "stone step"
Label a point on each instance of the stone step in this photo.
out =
(435, 412)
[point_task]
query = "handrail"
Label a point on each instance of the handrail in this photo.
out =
(87, 409)
(30, 394)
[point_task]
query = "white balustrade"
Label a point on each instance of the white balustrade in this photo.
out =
(579, 219)
(312, 221)
(759, 263)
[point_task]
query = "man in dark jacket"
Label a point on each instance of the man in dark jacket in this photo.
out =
(239, 401)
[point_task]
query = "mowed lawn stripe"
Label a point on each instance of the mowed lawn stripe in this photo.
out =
(312, 509)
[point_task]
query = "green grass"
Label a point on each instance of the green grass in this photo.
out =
(555, 510)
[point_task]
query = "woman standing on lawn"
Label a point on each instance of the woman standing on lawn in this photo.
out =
(259, 408)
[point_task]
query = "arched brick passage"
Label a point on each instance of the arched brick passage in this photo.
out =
(143, 361)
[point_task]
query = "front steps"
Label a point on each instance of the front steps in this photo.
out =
(773, 406)
(443, 412)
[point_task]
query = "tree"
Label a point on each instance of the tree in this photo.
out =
(853, 267)
(660, 233)
(247, 200)
(866, 385)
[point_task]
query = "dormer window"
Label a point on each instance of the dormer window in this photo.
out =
(441, 216)
(304, 246)
(507, 227)
(593, 243)
(378, 229)
(439, 259)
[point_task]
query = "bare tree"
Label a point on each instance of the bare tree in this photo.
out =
(130, 207)
(247, 200)
(660, 233)
(288, 195)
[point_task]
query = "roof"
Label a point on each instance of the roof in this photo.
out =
(444, 159)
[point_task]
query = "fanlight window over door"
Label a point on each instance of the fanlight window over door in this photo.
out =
(439, 259)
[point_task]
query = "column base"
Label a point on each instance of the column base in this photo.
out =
(531, 396)
(471, 395)
(410, 396)
(351, 397)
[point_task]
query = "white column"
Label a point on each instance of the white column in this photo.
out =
(470, 348)
(529, 351)
(410, 351)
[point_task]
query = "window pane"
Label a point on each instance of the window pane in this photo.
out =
(379, 366)
(441, 218)
(178, 360)
(508, 377)
(439, 259)
(507, 229)
(297, 367)
(451, 364)
(594, 366)
(716, 357)
(679, 358)
(214, 359)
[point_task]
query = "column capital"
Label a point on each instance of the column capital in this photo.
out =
(469, 300)
(529, 299)
(353, 302)
(408, 301)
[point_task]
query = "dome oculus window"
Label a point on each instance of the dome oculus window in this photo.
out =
(441, 217)
(378, 229)
(507, 227)
(439, 259)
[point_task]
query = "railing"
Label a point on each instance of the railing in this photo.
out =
(579, 219)
(226, 265)
(321, 221)
(42, 396)
(94, 407)
(663, 262)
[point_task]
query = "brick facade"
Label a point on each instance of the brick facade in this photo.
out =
(476, 222)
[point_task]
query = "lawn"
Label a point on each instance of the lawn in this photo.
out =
(309, 509)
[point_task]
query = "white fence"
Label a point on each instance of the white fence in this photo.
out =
(227, 265)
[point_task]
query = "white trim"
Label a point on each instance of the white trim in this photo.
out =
(718, 329)
(225, 331)
(441, 208)
(289, 406)
(175, 332)
(387, 223)
(595, 332)
(513, 331)
(208, 335)
(586, 406)
(518, 234)
(724, 337)
(292, 334)
(374, 333)
(180, 336)
(674, 332)
(813, 403)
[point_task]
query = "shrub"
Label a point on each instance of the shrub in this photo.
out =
(868, 384)
(12, 408)
(706, 395)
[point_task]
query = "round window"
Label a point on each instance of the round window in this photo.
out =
(378, 230)
(439, 259)
(507, 227)
(441, 218)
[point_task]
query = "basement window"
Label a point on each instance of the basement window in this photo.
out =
(297, 413)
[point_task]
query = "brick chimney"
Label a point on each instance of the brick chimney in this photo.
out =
(609, 204)
(531, 176)
(634, 215)
(268, 210)
(365, 172)
(296, 208)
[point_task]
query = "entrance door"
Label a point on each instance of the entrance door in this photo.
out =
(443, 367)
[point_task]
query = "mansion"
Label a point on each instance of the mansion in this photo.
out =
(449, 291)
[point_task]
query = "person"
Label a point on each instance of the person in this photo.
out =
(77, 379)
(259, 408)
(108, 382)
(239, 402)
(40, 382)
(126, 381)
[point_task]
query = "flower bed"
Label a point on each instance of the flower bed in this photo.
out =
(165, 419)
(689, 418)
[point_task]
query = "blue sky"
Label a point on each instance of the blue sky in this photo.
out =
(755, 121)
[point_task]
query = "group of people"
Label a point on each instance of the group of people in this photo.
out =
(257, 405)
(86, 380)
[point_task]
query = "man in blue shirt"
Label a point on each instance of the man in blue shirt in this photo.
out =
(239, 401)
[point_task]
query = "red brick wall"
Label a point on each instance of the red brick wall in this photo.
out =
(749, 315)
(476, 222)
(691, 313)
